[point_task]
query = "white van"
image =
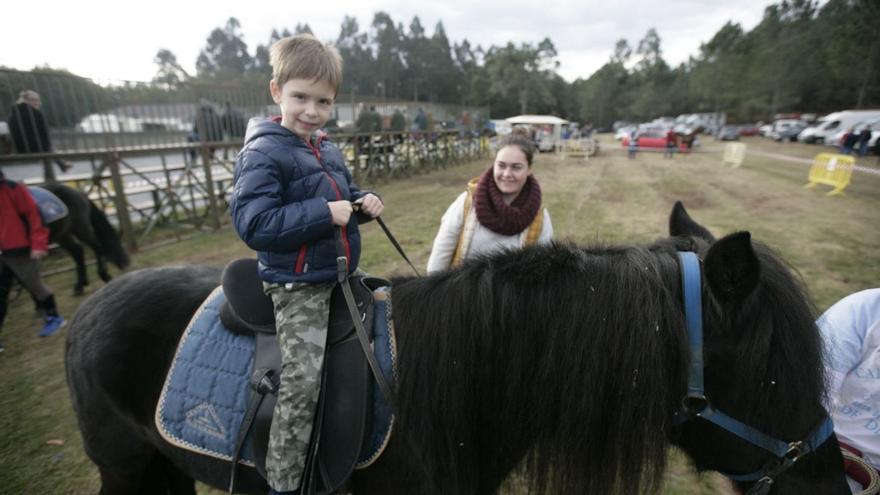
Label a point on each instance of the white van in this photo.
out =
(829, 125)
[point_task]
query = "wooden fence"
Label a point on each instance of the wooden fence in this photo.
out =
(188, 185)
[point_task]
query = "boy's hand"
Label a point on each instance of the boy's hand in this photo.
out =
(371, 205)
(340, 212)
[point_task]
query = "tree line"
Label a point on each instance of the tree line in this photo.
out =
(800, 57)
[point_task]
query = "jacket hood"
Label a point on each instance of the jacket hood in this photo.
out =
(261, 126)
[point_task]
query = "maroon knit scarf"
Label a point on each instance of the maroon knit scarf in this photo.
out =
(500, 217)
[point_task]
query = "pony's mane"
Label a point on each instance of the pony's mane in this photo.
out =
(568, 362)
(564, 362)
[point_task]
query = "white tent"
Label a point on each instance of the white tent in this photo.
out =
(542, 120)
(537, 120)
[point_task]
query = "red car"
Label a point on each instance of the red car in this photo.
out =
(748, 130)
(651, 139)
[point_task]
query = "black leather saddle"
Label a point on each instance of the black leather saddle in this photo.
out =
(342, 423)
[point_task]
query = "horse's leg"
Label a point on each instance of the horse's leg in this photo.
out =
(91, 240)
(102, 267)
(76, 252)
(156, 476)
(162, 476)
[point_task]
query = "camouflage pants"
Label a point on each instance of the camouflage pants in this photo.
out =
(301, 314)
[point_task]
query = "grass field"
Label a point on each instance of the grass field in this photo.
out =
(833, 242)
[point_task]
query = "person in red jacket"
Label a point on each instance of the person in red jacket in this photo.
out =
(671, 143)
(23, 241)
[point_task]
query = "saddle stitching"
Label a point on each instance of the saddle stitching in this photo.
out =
(392, 351)
(168, 436)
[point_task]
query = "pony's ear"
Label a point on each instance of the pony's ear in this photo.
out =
(681, 224)
(732, 267)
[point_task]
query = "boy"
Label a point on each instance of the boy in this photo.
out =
(292, 189)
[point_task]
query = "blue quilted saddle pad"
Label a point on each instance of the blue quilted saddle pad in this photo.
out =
(51, 208)
(205, 395)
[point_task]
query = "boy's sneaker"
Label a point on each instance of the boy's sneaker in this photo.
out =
(53, 323)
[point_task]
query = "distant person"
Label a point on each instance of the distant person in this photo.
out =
(369, 121)
(587, 132)
(864, 141)
(208, 127)
(420, 123)
(633, 143)
(234, 122)
(398, 121)
(851, 332)
(292, 193)
(28, 128)
(671, 143)
(848, 141)
(500, 209)
(23, 241)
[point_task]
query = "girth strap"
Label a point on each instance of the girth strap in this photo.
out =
(262, 383)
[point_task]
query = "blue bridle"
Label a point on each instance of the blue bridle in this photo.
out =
(697, 405)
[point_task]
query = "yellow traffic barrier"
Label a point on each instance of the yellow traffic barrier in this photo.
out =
(574, 148)
(734, 154)
(832, 170)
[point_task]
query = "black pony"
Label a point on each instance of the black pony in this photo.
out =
(88, 224)
(563, 363)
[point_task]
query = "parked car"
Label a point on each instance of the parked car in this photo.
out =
(651, 139)
(789, 133)
(728, 133)
(749, 130)
(783, 129)
(546, 141)
(623, 132)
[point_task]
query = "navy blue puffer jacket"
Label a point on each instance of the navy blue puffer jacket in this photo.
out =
(282, 185)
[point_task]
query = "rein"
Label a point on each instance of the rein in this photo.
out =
(696, 405)
(396, 244)
(356, 208)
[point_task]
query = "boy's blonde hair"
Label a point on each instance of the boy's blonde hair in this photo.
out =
(305, 57)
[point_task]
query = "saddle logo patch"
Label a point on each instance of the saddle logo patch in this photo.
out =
(205, 419)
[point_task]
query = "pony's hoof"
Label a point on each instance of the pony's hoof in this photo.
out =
(105, 277)
(78, 291)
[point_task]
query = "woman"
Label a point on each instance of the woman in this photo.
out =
(500, 209)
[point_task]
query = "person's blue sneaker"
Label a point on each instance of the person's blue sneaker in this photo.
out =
(53, 323)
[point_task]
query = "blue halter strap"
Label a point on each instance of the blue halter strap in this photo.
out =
(697, 405)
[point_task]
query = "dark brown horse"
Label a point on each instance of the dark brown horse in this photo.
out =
(87, 224)
(566, 363)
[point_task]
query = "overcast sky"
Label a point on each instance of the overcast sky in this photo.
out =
(118, 39)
